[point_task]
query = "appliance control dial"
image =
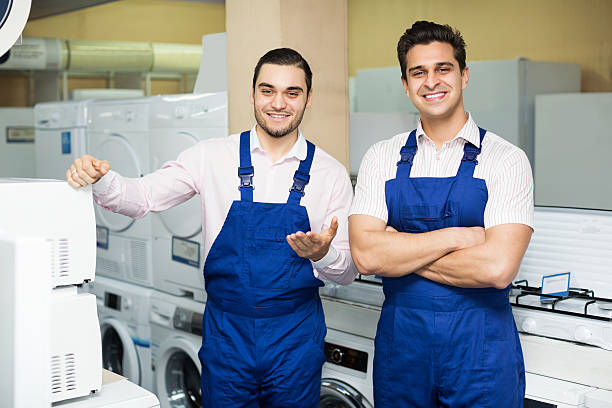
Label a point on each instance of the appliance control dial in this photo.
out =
(336, 355)
(528, 325)
(582, 334)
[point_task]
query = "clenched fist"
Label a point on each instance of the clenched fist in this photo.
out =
(86, 170)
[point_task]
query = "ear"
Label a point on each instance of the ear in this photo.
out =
(252, 96)
(465, 77)
(309, 100)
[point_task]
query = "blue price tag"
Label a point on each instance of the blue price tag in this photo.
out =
(66, 146)
(101, 237)
(557, 285)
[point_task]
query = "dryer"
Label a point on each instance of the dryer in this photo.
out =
(176, 337)
(123, 312)
(346, 380)
(118, 131)
(17, 142)
(60, 129)
(177, 123)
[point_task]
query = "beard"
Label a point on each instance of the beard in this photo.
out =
(278, 133)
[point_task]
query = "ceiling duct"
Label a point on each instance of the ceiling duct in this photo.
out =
(176, 57)
(103, 56)
(119, 56)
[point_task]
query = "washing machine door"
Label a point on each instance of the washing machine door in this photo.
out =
(338, 394)
(178, 375)
(184, 220)
(118, 350)
(120, 153)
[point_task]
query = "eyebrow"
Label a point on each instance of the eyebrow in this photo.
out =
(438, 64)
(291, 88)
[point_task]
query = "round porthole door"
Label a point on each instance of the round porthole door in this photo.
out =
(338, 394)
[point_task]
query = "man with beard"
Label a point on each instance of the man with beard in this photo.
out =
(263, 250)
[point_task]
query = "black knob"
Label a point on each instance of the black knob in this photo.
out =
(336, 355)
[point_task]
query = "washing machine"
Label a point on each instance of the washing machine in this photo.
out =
(346, 381)
(60, 129)
(123, 312)
(177, 123)
(176, 337)
(118, 131)
(17, 142)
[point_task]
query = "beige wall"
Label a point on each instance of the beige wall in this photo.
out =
(552, 30)
(315, 28)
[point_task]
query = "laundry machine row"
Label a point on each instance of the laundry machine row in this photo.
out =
(137, 136)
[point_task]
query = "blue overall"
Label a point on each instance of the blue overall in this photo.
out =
(439, 345)
(263, 326)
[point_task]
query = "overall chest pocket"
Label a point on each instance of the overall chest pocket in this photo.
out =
(424, 218)
(270, 259)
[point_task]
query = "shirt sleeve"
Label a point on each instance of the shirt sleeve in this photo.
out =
(510, 192)
(338, 264)
(370, 189)
(171, 185)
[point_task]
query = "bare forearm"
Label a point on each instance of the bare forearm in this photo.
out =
(495, 263)
(396, 254)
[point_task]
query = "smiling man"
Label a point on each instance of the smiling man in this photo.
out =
(444, 215)
(274, 211)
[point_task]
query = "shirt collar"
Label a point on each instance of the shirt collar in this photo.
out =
(299, 149)
(469, 132)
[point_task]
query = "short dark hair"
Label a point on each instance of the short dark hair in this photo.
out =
(426, 32)
(285, 56)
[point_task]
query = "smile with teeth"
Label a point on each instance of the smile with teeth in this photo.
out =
(278, 115)
(434, 96)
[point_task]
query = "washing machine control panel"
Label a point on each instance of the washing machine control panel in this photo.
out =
(188, 320)
(346, 357)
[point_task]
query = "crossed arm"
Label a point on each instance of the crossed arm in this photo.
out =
(464, 257)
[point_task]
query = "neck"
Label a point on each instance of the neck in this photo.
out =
(276, 147)
(441, 130)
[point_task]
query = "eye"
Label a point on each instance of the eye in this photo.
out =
(266, 91)
(417, 73)
(293, 94)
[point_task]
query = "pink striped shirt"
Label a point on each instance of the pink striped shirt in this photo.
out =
(504, 167)
(210, 167)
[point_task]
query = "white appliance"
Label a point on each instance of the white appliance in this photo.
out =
(500, 94)
(573, 139)
(51, 343)
(123, 311)
(75, 344)
(61, 214)
(367, 128)
(105, 93)
(118, 394)
(567, 337)
(177, 123)
(118, 131)
(176, 337)
(346, 380)
(17, 142)
(61, 129)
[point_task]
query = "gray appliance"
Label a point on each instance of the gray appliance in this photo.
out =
(573, 141)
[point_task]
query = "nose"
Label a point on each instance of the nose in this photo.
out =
(432, 80)
(278, 102)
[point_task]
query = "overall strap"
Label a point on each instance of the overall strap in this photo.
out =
(301, 176)
(470, 153)
(246, 170)
(407, 153)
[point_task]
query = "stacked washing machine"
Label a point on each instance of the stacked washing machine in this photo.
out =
(151, 294)
(177, 304)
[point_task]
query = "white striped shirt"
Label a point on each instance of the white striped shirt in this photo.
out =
(503, 166)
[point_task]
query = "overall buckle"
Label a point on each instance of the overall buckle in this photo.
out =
(246, 177)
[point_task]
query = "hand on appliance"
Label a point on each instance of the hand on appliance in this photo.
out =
(86, 170)
(465, 237)
(312, 245)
